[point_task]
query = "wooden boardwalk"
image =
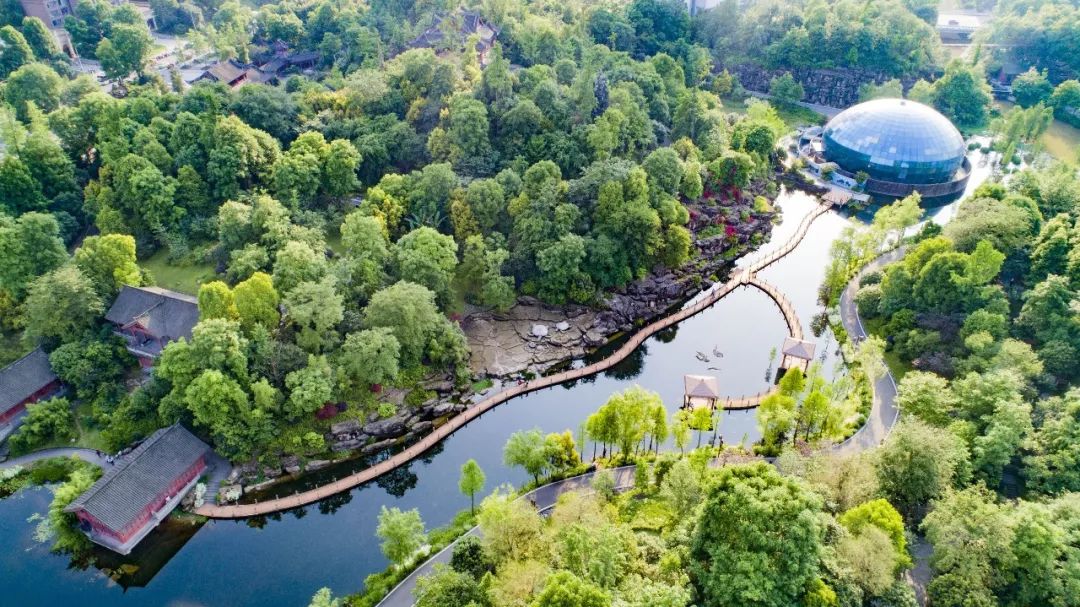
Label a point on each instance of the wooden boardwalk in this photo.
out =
(743, 277)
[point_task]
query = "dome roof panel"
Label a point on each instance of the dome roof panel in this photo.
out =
(895, 139)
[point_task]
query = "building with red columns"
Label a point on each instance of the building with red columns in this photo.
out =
(141, 489)
(148, 318)
(26, 381)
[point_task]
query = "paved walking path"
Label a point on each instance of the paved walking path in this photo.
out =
(418, 448)
(883, 416)
(87, 455)
(883, 413)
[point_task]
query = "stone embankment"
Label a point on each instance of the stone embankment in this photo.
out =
(532, 338)
(837, 88)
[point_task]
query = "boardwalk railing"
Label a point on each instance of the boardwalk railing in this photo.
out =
(788, 310)
(457, 422)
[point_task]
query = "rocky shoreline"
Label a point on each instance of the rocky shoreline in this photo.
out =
(532, 338)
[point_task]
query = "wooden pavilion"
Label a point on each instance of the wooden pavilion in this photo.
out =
(795, 353)
(700, 391)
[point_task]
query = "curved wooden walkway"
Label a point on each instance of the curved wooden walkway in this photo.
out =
(744, 277)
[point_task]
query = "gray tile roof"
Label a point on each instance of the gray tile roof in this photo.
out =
(140, 477)
(23, 377)
(165, 314)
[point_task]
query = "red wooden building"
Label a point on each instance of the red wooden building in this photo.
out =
(148, 318)
(26, 381)
(141, 489)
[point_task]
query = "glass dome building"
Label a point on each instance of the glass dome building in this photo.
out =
(895, 139)
(903, 145)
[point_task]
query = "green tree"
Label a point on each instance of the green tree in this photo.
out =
(219, 403)
(29, 247)
(45, 422)
(480, 275)
(323, 598)
(216, 300)
(527, 449)
(16, 50)
(91, 366)
(310, 388)
(469, 557)
(339, 168)
(732, 169)
(402, 534)
(316, 308)
(786, 90)
(970, 534)
(682, 488)
(19, 191)
(368, 358)
(471, 482)
(564, 589)
(409, 311)
(511, 528)
(295, 263)
(109, 262)
(758, 541)
(427, 258)
(918, 463)
(1053, 465)
(927, 396)
(446, 587)
(879, 513)
(257, 302)
(61, 304)
(963, 95)
(1031, 88)
(126, 50)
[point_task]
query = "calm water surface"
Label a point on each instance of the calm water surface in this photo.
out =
(282, 560)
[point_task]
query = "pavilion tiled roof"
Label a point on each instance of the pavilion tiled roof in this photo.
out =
(140, 477)
(22, 378)
(163, 313)
(799, 348)
(226, 71)
(702, 386)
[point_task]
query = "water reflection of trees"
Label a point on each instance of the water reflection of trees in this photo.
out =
(629, 367)
(398, 481)
(334, 503)
(666, 336)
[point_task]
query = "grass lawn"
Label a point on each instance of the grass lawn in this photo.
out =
(88, 434)
(185, 279)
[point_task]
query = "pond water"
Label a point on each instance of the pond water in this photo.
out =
(283, 559)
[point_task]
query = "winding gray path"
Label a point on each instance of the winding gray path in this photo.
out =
(883, 416)
(87, 455)
(884, 413)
